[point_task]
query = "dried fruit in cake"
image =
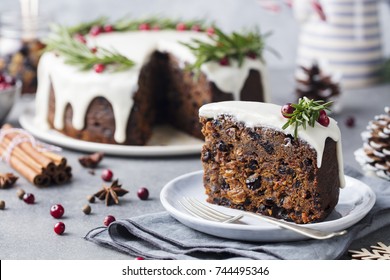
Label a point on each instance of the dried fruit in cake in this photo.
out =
(254, 161)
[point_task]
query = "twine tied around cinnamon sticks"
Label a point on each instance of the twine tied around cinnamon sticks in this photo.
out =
(34, 160)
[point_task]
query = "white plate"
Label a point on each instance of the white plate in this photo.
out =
(355, 201)
(166, 141)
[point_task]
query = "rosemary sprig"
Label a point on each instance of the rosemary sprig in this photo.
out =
(126, 24)
(234, 46)
(85, 27)
(306, 112)
(79, 54)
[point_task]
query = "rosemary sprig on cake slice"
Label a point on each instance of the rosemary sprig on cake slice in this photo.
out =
(305, 112)
(224, 47)
(76, 52)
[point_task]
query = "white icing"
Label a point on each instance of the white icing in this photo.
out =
(79, 88)
(254, 114)
(231, 79)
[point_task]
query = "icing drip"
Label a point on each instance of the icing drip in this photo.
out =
(79, 88)
(254, 114)
(231, 79)
(117, 88)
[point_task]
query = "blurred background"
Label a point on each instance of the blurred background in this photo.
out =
(228, 14)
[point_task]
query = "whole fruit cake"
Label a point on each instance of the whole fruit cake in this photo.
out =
(253, 160)
(111, 83)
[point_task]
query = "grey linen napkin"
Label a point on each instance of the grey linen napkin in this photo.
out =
(159, 236)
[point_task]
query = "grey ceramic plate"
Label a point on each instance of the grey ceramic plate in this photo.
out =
(355, 201)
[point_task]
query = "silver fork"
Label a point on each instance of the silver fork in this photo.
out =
(201, 210)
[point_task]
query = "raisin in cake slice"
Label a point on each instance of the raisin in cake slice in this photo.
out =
(251, 163)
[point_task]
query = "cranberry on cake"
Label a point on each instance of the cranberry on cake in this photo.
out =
(112, 85)
(255, 161)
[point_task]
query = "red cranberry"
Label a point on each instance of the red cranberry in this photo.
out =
(107, 175)
(196, 27)
(323, 112)
(210, 31)
(80, 38)
(93, 50)
(286, 110)
(181, 26)
(323, 119)
(144, 26)
(143, 193)
(99, 68)
(29, 198)
(251, 55)
(57, 211)
(4, 86)
(350, 121)
(108, 28)
(9, 80)
(95, 30)
(139, 258)
(59, 228)
(224, 61)
(108, 220)
(6, 81)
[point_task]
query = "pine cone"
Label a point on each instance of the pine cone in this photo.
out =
(314, 84)
(375, 154)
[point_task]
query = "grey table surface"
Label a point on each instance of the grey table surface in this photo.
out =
(26, 231)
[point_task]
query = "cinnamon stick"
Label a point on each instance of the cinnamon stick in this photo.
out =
(39, 167)
(26, 171)
(22, 156)
(61, 177)
(30, 150)
(58, 160)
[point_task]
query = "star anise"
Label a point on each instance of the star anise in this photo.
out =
(110, 194)
(92, 160)
(7, 180)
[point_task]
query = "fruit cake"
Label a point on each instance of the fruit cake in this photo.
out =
(251, 163)
(121, 107)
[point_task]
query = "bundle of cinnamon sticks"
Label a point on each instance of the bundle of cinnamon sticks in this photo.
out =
(38, 165)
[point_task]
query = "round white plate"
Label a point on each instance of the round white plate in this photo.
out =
(165, 141)
(355, 201)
